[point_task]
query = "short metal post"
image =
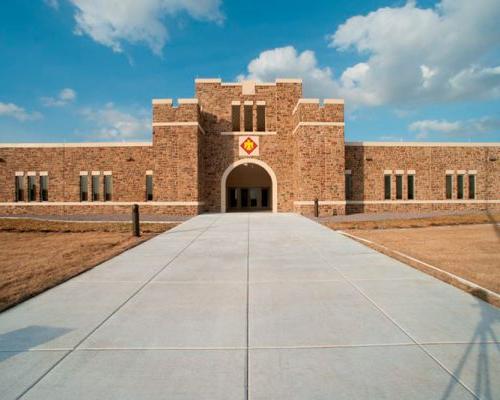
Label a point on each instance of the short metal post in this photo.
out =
(316, 208)
(135, 220)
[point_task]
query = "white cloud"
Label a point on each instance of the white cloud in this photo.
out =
(113, 22)
(64, 97)
(408, 55)
(466, 128)
(14, 111)
(112, 123)
(286, 62)
(423, 55)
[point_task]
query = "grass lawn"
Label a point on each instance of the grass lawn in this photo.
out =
(37, 255)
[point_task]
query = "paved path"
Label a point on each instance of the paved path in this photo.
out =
(251, 306)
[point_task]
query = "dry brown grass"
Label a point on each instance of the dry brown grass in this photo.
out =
(37, 255)
(480, 218)
(32, 225)
(468, 251)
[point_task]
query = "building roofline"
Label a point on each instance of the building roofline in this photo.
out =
(277, 80)
(81, 144)
(424, 144)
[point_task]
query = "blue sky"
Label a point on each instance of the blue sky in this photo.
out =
(86, 70)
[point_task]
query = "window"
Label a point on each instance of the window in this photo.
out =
(149, 187)
(460, 186)
(31, 188)
(95, 187)
(348, 186)
(108, 187)
(472, 186)
(84, 188)
(387, 187)
(265, 198)
(399, 187)
(449, 186)
(20, 188)
(411, 187)
(261, 118)
(235, 117)
(44, 188)
(248, 118)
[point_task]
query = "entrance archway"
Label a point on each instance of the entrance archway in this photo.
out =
(251, 182)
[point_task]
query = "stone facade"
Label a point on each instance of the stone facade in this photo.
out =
(194, 149)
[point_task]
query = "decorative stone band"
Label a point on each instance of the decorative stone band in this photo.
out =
(44, 173)
(312, 123)
(423, 201)
(422, 144)
(104, 203)
(247, 133)
(320, 202)
(186, 123)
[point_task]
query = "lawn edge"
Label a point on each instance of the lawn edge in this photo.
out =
(92, 266)
(467, 286)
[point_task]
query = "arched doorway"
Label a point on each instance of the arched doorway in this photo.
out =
(249, 184)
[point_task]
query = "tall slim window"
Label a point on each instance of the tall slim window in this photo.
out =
(399, 187)
(261, 118)
(108, 187)
(95, 188)
(348, 186)
(411, 187)
(84, 188)
(248, 118)
(449, 186)
(460, 186)
(44, 188)
(19, 188)
(31, 188)
(235, 117)
(472, 186)
(149, 187)
(387, 187)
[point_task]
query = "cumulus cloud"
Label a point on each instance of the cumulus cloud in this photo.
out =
(113, 22)
(112, 123)
(65, 96)
(465, 129)
(286, 62)
(422, 54)
(14, 111)
(407, 55)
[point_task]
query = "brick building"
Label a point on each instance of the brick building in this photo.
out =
(247, 146)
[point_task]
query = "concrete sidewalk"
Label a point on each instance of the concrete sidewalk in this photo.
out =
(251, 306)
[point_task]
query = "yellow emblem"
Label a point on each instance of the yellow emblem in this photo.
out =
(249, 145)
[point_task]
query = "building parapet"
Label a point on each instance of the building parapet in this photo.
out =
(423, 144)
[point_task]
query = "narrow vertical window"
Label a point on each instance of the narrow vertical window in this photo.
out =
(248, 117)
(149, 187)
(44, 188)
(449, 186)
(31, 188)
(472, 186)
(19, 188)
(261, 117)
(387, 187)
(95, 188)
(84, 188)
(348, 186)
(399, 187)
(411, 187)
(460, 186)
(235, 117)
(108, 187)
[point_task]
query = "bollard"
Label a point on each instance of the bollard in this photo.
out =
(316, 208)
(135, 220)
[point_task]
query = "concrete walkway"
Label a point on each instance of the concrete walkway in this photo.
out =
(251, 306)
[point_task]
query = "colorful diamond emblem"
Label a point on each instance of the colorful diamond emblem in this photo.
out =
(249, 145)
